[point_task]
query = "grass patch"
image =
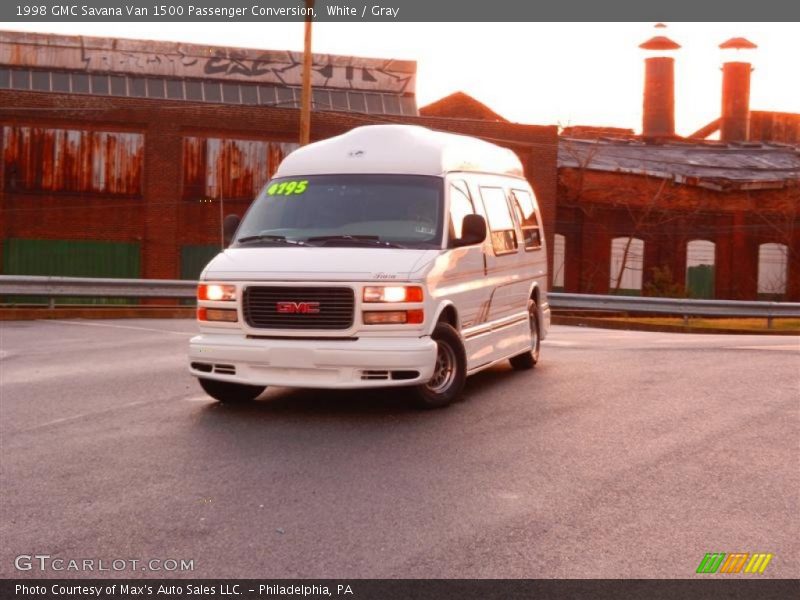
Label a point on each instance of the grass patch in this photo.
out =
(759, 324)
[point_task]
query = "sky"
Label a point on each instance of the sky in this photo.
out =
(540, 73)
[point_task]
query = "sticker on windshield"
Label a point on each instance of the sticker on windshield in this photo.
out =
(287, 188)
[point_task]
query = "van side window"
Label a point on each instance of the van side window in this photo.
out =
(460, 206)
(501, 226)
(528, 219)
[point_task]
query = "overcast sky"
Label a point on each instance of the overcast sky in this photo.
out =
(546, 73)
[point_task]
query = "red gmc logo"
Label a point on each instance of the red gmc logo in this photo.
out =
(304, 308)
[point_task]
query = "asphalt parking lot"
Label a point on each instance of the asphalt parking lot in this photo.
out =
(623, 454)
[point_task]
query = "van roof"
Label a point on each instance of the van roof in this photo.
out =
(399, 149)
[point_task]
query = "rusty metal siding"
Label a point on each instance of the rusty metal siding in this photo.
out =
(37, 159)
(229, 168)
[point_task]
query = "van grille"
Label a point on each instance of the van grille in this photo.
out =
(335, 306)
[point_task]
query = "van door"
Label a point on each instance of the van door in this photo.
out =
(501, 327)
(527, 212)
(463, 278)
(504, 259)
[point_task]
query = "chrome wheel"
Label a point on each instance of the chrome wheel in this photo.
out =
(533, 318)
(444, 371)
(449, 370)
(527, 360)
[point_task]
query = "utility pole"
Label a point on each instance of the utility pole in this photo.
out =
(222, 222)
(305, 106)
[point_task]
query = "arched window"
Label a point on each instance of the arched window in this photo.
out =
(773, 260)
(627, 264)
(559, 249)
(700, 262)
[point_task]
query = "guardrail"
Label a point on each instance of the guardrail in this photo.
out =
(90, 287)
(676, 306)
(52, 287)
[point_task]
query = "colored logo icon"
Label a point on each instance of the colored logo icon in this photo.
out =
(714, 562)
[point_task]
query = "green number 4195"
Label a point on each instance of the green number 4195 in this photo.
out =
(287, 188)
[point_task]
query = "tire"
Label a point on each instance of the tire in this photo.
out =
(450, 372)
(528, 360)
(231, 393)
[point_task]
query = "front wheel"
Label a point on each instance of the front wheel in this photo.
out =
(449, 373)
(231, 393)
(528, 360)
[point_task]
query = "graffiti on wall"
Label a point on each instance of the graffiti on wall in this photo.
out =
(189, 60)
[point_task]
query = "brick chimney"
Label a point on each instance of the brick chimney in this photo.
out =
(658, 116)
(735, 117)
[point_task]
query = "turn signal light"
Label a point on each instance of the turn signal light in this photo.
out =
(394, 317)
(214, 291)
(217, 314)
(393, 293)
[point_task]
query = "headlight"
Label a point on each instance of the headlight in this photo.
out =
(215, 291)
(393, 293)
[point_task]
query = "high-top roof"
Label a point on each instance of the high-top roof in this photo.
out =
(399, 149)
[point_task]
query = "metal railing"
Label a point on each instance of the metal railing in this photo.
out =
(53, 287)
(90, 287)
(675, 306)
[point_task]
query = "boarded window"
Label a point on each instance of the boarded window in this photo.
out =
(194, 259)
(229, 169)
(773, 260)
(71, 258)
(36, 159)
(700, 259)
(627, 264)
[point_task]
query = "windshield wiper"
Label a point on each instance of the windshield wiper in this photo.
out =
(358, 239)
(262, 237)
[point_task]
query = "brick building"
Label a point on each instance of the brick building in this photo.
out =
(121, 156)
(663, 215)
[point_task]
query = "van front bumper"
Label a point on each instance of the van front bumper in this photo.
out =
(358, 363)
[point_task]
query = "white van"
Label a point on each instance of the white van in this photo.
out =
(366, 262)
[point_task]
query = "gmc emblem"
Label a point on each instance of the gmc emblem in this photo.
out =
(294, 308)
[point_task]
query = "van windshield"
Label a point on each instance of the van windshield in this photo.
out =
(402, 211)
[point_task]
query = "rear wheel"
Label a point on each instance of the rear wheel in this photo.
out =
(528, 360)
(231, 393)
(449, 373)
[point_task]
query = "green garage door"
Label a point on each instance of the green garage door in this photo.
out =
(700, 281)
(69, 258)
(193, 260)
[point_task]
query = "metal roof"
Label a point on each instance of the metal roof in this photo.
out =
(710, 165)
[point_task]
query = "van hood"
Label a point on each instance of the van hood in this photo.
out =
(319, 264)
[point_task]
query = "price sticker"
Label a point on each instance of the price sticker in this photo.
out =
(288, 188)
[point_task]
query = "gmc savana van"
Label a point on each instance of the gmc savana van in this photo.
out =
(391, 255)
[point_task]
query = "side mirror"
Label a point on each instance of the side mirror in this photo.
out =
(473, 231)
(229, 226)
